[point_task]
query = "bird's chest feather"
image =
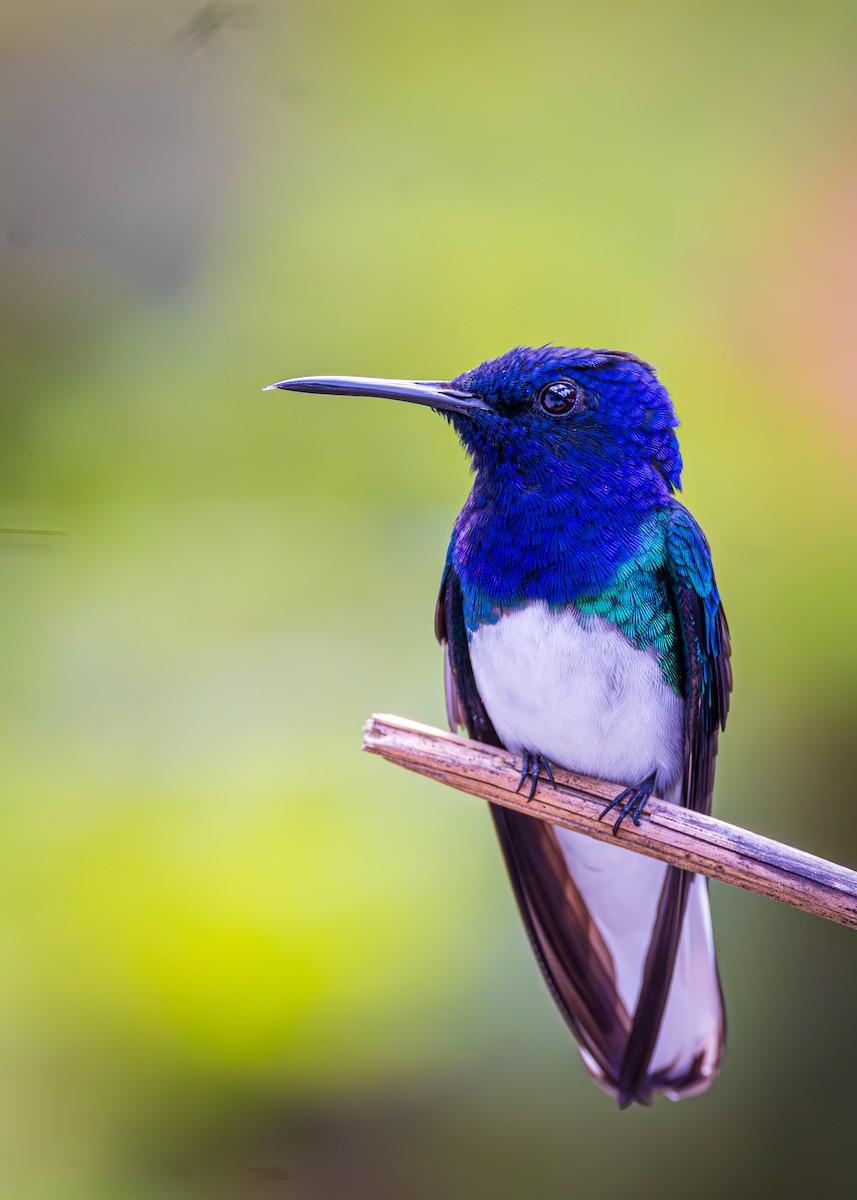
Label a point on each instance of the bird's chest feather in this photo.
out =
(576, 689)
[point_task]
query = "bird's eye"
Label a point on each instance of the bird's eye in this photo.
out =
(561, 398)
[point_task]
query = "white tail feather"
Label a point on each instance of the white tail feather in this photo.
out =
(693, 1020)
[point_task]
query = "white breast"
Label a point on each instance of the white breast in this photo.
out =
(579, 692)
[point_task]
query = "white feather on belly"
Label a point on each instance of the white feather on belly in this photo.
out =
(579, 692)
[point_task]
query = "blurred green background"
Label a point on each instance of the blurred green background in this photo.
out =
(237, 957)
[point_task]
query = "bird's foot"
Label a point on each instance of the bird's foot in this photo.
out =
(631, 802)
(533, 766)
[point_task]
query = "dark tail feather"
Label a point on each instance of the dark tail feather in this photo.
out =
(581, 949)
(657, 977)
(568, 946)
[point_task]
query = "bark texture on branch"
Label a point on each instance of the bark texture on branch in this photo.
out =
(675, 835)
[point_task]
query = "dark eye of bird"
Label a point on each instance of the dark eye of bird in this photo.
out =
(561, 398)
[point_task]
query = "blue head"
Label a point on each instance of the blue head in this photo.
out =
(574, 452)
(578, 420)
(581, 419)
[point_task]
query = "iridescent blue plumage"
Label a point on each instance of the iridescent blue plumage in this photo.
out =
(576, 510)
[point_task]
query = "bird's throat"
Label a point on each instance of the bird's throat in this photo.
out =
(513, 544)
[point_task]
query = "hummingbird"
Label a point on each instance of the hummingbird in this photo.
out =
(582, 628)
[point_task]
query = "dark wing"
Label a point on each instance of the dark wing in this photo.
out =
(706, 682)
(464, 706)
(568, 946)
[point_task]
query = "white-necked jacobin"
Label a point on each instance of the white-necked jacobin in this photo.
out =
(582, 627)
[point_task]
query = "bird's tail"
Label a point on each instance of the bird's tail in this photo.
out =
(626, 947)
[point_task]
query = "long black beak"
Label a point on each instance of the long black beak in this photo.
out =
(441, 396)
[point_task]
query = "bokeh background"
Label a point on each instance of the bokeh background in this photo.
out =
(237, 957)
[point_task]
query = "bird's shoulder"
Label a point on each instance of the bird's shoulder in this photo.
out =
(702, 621)
(688, 554)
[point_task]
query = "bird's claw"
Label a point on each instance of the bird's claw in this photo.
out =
(631, 803)
(533, 765)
